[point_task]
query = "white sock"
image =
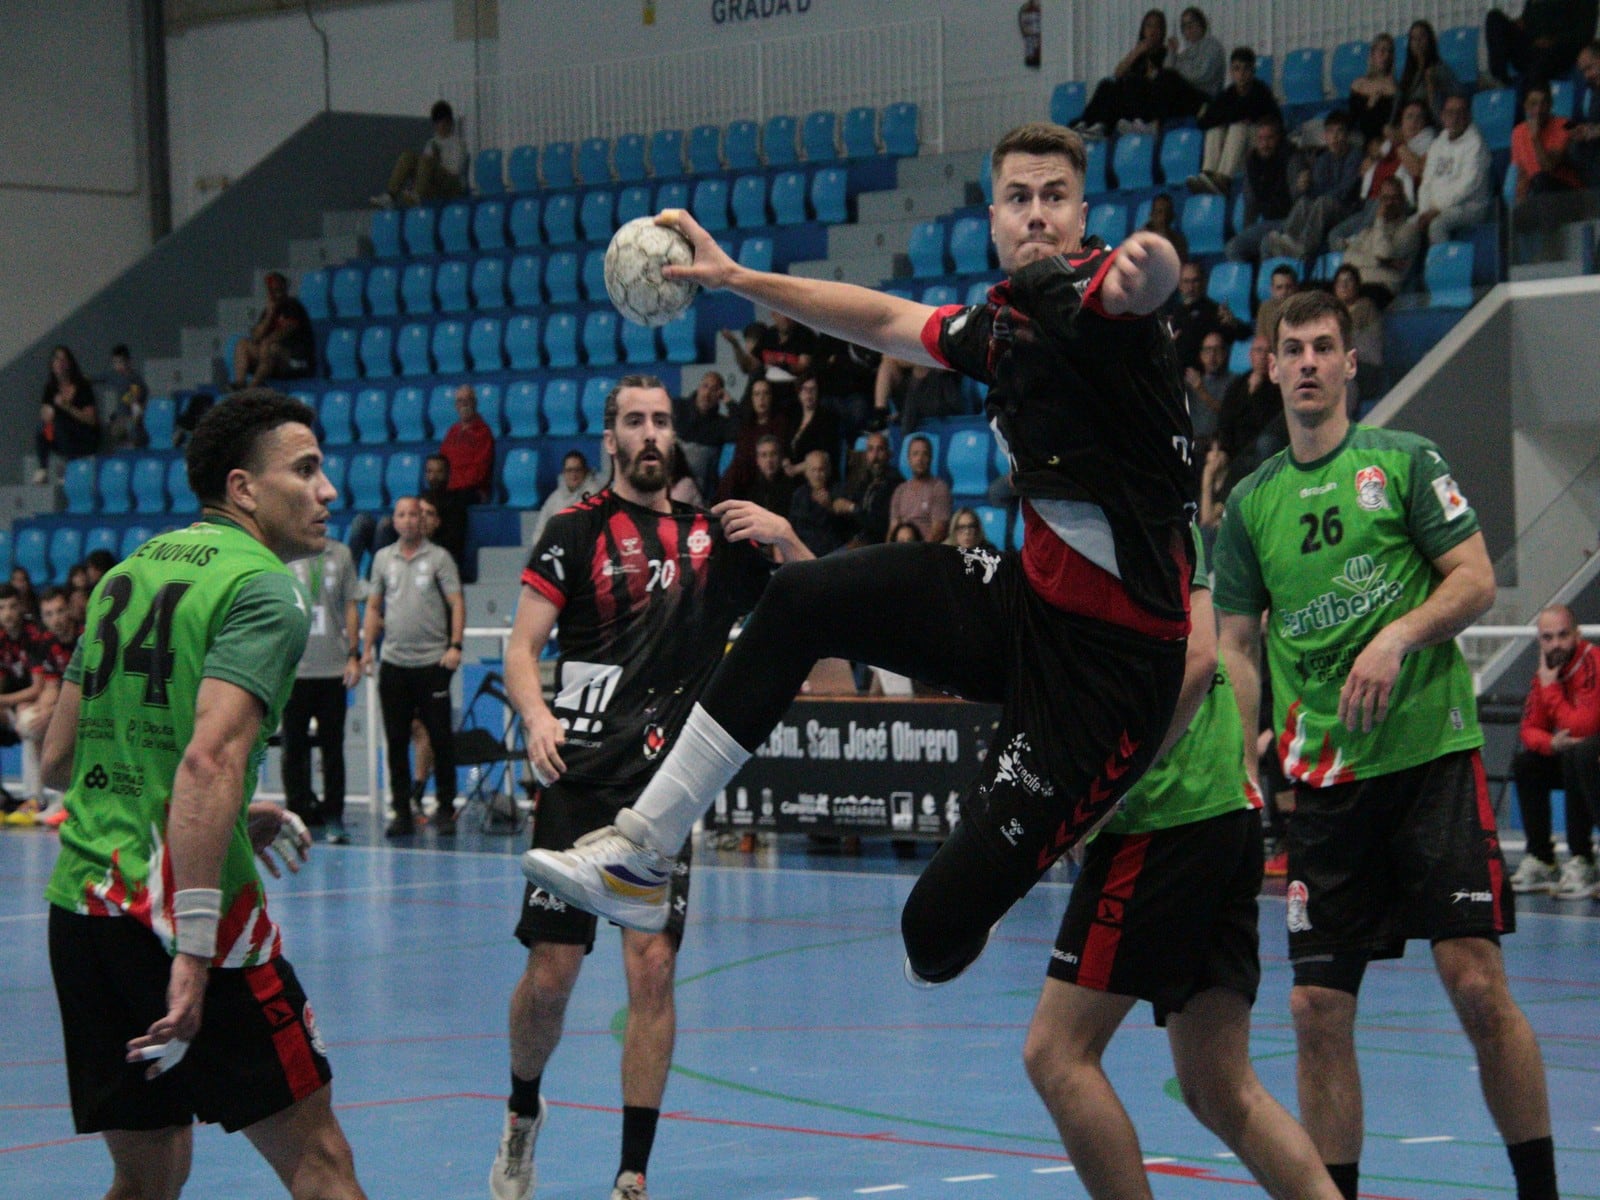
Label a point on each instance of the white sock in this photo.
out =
(700, 765)
(30, 768)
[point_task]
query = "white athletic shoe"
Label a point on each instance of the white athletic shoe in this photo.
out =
(1533, 875)
(1578, 879)
(514, 1174)
(917, 981)
(608, 874)
(629, 1186)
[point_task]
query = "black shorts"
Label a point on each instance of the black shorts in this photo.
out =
(257, 1053)
(1164, 916)
(1411, 854)
(563, 813)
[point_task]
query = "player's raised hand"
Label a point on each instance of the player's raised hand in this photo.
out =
(712, 268)
(746, 521)
(1141, 276)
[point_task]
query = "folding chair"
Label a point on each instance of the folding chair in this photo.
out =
(484, 750)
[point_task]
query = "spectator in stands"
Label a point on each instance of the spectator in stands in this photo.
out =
(21, 685)
(1327, 186)
(438, 173)
(781, 353)
(1251, 427)
(95, 565)
(1164, 220)
(1455, 186)
(54, 653)
(906, 531)
(1384, 251)
(868, 493)
(1372, 96)
(281, 344)
(1426, 77)
(1366, 324)
(578, 481)
(1207, 385)
(770, 486)
(449, 504)
(1129, 96)
(818, 429)
(702, 428)
(966, 531)
(916, 392)
(130, 394)
(811, 512)
(1560, 748)
(1539, 147)
(69, 419)
(1540, 44)
(23, 582)
(1227, 121)
(847, 374)
(757, 419)
(1267, 196)
(1193, 314)
(924, 499)
(469, 446)
(1199, 62)
(683, 489)
(1283, 283)
(1402, 155)
(1583, 144)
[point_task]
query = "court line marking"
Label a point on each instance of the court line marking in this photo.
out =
(882, 1187)
(1052, 1170)
(1423, 1141)
(965, 1178)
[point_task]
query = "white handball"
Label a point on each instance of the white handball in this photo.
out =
(634, 260)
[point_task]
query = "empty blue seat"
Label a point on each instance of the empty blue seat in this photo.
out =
(66, 551)
(778, 141)
(377, 352)
(937, 295)
(455, 227)
(1239, 357)
(594, 160)
(522, 343)
(789, 198)
(520, 474)
(1181, 153)
(750, 201)
(677, 338)
(419, 228)
(595, 214)
(1563, 98)
(383, 290)
(1447, 274)
(561, 277)
(489, 225)
(522, 409)
(1458, 50)
(160, 418)
(98, 537)
(705, 149)
(385, 234)
(1326, 266)
(900, 129)
(1108, 222)
(30, 550)
(364, 481)
(524, 220)
(555, 165)
(739, 146)
(830, 196)
(1302, 75)
(336, 416)
(593, 274)
(861, 132)
(996, 522)
(592, 404)
(449, 348)
(1348, 64)
(1202, 220)
(149, 485)
(112, 484)
(1236, 213)
(1230, 284)
(978, 291)
(340, 350)
(416, 288)
(710, 204)
(1495, 113)
(334, 467)
(483, 345)
(180, 494)
(78, 483)
(666, 153)
(1067, 101)
(926, 249)
(561, 408)
(560, 219)
(819, 136)
(441, 408)
(600, 338)
(412, 347)
(1094, 175)
(488, 173)
(1141, 214)
(672, 194)
(1264, 276)
(345, 292)
(639, 341)
(450, 285)
(629, 158)
(632, 203)
(1264, 68)
(489, 404)
(1133, 161)
(489, 282)
(969, 461)
(969, 245)
(523, 279)
(406, 414)
(372, 417)
(313, 293)
(561, 340)
(402, 474)
(755, 253)
(133, 537)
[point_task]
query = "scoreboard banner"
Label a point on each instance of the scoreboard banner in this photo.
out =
(890, 767)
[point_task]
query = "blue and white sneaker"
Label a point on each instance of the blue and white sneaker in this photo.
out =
(608, 874)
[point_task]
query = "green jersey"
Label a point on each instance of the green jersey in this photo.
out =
(205, 601)
(1334, 550)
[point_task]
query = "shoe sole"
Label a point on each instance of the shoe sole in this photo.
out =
(628, 903)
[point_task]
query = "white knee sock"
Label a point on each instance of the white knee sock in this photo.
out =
(30, 768)
(700, 765)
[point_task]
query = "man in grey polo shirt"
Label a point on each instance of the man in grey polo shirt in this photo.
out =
(415, 601)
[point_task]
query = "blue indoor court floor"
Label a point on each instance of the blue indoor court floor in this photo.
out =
(805, 1067)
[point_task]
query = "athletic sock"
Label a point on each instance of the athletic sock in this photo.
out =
(638, 1136)
(524, 1096)
(1533, 1162)
(1345, 1177)
(702, 762)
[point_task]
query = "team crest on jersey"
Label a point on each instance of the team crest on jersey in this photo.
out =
(655, 741)
(699, 541)
(1299, 897)
(631, 545)
(1451, 501)
(1372, 489)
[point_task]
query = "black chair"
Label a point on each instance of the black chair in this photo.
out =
(485, 749)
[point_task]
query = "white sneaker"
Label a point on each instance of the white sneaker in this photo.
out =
(1534, 875)
(514, 1174)
(629, 1186)
(1578, 879)
(917, 981)
(608, 874)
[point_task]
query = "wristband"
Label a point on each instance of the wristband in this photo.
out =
(196, 912)
(455, 645)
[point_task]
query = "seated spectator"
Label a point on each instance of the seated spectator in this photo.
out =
(846, 374)
(1131, 92)
(684, 489)
(818, 429)
(966, 531)
(1206, 386)
(868, 493)
(23, 582)
(1200, 63)
(924, 499)
(1326, 185)
(1227, 120)
(1385, 250)
(1560, 747)
(1583, 144)
(703, 428)
(1540, 44)
(1402, 155)
(1192, 314)
(1283, 283)
(1251, 426)
(916, 392)
(1267, 198)
(125, 427)
(781, 353)
(1366, 324)
(469, 447)
(811, 508)
(281, 344)
(1539, 147)
(1455, 187)
(1426, 77)
(69, 419)
(55, 647)
(1164, 220)
(757, 419)
(21, 685)
(95, 565)
(769, 486)
(369, 534)
(1372, 96)
(438, 173)
(906, 531)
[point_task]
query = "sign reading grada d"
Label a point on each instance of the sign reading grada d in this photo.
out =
(727, 12)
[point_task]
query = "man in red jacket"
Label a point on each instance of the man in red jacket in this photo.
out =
(1560, 748)
(469, 446)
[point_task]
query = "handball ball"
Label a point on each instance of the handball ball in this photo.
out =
(634, 260)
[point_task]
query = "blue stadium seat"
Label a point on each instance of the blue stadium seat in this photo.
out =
(593, 274)
(1458, 49)
(133, 537)
(1264, 68)
(595, 214)
(900, 129)
(1133, 160)
(600, 338)
(402, 474)
(489, 282)
(160, 419)
(483, 345)
(345, 291)
(1495, 113)
(416, 288)
(385, 234)
(666, 153)
(969, 245)
(560, 219)
(705, 149)
(523, 280)
(1236, 213)
(1202, 223)
(592, 404)
(926, 249)
(406, 414)
(755, 253)
(522, 409)
(449, 348)
(778, 141)
(524, 221)
(78, 483)
(819, 136)
(594, 160)
(1094, 175)
(632, 203)
(1108, 222)
(522, 343)
(335, 413)
(710, 204)
(489, 225)
(1348, 64)
(455, 228)
(334, 467)
(677, 338)
(861, 132)
(372, 417)
(968, 462)
(789, 198)
(1239, 357)
(66, 551)
(561, 340)
(1302, 75)
(488, 173)
(489, 404)
(934, 443)
(1326, 266)
(150, 485)
(181, 495)
(629, 158)
(937, 295)
(830, 195)
(520, 475)
(750, 201)
(419, 227)
(1508, 188)
(341, 354)
(555, 165)
(739, 146)
(98, 537)
(450, 285)
(996, 523)
(1067, 101)
(672, 194)
(978, 291)
(30, 550)
(441, 408)
(364, 481)
(377, 352)
(561, 408)
(5, 551)
(115, 474)
(1564, 98)
(412, 347)
(639, 341)
(1141, 214)
(383, 290)
(1264, 275)
(313, 293)
(1230, 284)
(561, 277)
(1181, 153)
(1447, 274)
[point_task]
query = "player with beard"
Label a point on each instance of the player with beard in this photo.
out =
(645, 589)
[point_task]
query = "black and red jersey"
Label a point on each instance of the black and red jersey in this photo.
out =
(1091, 409)
(647, 600)
(54, 655)
(21, 656)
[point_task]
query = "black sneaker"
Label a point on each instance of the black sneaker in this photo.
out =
(444, 821)
(400, 827)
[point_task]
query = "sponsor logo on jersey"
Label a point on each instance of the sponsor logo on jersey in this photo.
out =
(977, 560)
(655, 741)
(1065, 956)
(1451, 502)
(1299, 898)
(699, 541)
(1322, 489)
(1471, 897)
(1362, 577)
(631, 545)
(1012, 830)
(96, 778)
(1010, 769)
(1372, 487)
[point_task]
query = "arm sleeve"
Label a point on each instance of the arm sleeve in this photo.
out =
(1239, 586)
(961, 338)
(1535, 729)
(1437, 514)
(376, 574)
(449, 575)
(551, 561)
(265, 628)
(75, 667)
(1576, 706)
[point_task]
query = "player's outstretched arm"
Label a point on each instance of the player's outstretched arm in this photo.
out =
(542, 733)
(1239, 645)
(856, 314)
(1141, 276)
(745, 521)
